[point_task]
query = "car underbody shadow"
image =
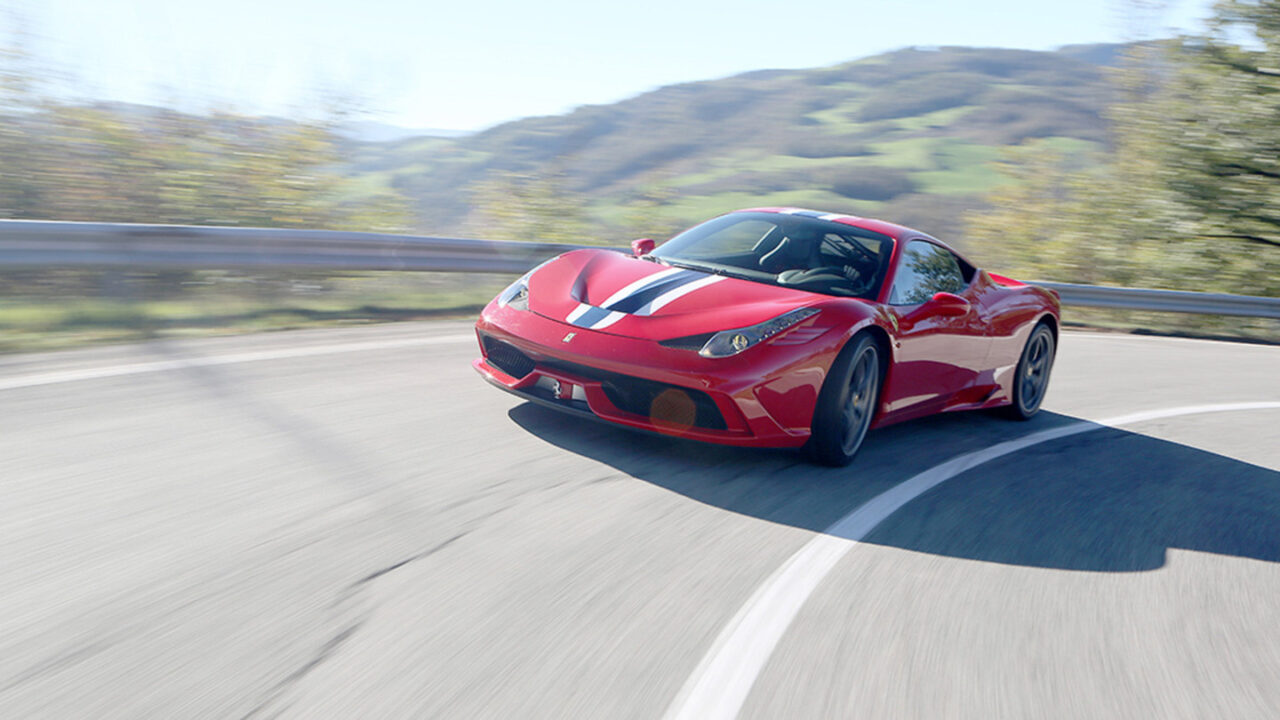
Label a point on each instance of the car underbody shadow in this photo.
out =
(1103, 500)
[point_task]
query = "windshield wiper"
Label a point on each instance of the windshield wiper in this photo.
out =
(695, 266)
(708, 269)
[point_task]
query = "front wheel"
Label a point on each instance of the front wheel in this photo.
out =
(846, 404)
(1032, 379)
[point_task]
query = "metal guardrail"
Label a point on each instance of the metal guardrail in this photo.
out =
(1165, 300)
(35, 243)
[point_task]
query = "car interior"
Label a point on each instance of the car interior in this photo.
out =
(811, 259)
(799, 252)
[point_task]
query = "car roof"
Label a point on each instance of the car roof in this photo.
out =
(895, 231)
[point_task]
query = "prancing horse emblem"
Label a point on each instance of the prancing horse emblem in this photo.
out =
(569, 337)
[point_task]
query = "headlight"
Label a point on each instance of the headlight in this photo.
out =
(517, 293)
(732, 342)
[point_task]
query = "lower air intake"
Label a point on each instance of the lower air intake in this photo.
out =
(665, 405)
(507, 358)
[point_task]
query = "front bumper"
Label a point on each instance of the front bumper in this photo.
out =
(764, 399)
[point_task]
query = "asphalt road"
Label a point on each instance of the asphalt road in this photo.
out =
(352, 524)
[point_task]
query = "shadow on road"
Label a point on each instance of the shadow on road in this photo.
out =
(1106, 500)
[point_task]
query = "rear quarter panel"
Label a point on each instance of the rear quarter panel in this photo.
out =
(1013, 310)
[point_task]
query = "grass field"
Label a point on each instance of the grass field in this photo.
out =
(215, 303)
(222, 303)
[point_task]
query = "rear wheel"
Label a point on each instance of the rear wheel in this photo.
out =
(1032, 379)
(847, 403)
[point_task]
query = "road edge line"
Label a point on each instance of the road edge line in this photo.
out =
(722, 680)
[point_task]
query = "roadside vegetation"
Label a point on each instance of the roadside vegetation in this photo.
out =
(1187, 194)
(1148, 165)
(109, 162)
(74, 308)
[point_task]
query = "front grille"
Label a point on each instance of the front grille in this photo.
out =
(665, 405)
(507, 358)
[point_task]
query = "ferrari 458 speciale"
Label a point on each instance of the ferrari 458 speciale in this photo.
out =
(772, 327)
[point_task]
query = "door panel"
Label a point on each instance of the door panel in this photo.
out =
(941, 358)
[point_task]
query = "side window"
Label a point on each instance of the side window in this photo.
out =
(925, 269)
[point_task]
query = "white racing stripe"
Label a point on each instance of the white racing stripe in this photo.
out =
(605, 315)
(641, 284)
(637, 286)
(608, 320)
(722, 680)
(62, 376)
(577, 313)
(666, 298)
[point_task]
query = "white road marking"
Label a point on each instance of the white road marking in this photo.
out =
(719, 685)
(62, 376)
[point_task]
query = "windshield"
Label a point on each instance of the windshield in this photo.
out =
(788, 250)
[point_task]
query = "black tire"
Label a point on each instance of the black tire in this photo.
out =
(847, 403)
(1032, 378)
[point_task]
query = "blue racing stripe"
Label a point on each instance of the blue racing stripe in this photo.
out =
(591, 317)
(637, 300)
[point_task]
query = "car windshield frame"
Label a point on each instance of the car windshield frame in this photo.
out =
(786, 250)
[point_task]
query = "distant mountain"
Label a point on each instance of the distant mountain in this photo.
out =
(373, 131)
(907, 136)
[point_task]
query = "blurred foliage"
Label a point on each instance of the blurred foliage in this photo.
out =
(870, 183)
(817, 144)
(1224, 164)
(66, 308)
(921, 95)
(645, 216)
(112, 162)
(1188, 196)
(527, 207)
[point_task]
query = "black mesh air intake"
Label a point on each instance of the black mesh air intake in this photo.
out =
(507, 358)
(669, 405)
(664, 403)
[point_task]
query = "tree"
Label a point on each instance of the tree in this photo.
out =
(20, 106)
(1188, 195)
(1224, 149)
(647, 213)
(528, 207)
(104, 162)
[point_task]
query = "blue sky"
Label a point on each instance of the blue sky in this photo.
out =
(469, 65)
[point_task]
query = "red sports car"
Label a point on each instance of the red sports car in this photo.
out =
(772, 327)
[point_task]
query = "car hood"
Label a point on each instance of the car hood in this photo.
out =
(615, 293)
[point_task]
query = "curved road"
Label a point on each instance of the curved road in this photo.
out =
(351, 523)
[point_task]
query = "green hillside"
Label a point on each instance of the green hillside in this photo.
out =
(907, 136)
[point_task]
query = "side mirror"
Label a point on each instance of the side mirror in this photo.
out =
(947, 304)
(643, 246)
